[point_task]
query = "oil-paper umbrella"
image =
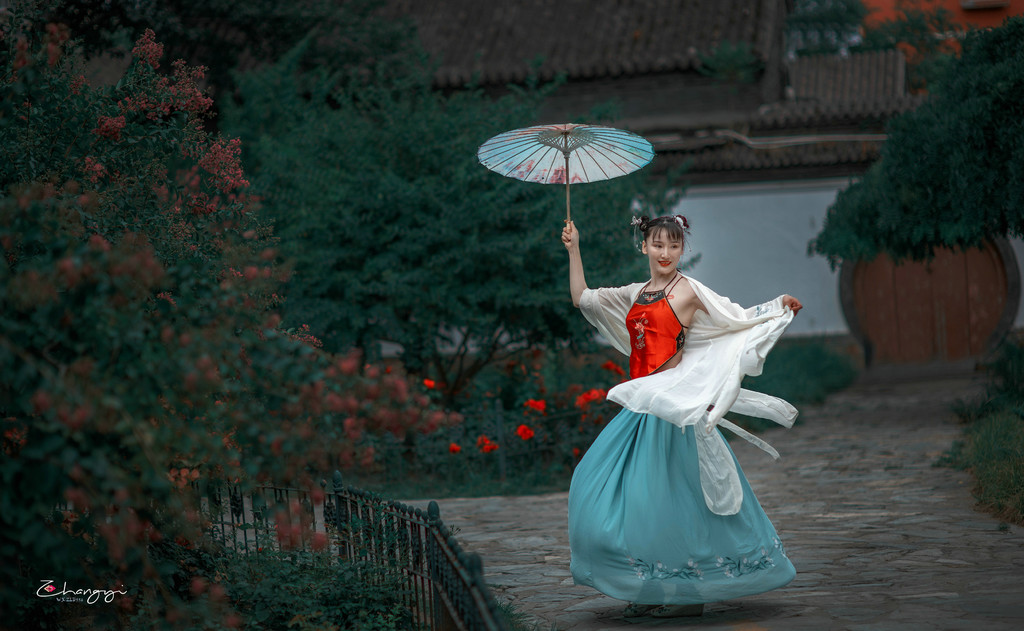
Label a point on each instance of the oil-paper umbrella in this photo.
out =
(569, 154)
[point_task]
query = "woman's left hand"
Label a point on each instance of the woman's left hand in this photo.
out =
(792, 303)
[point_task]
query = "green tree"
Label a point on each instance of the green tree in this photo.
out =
(139, 346)
(223, 33)
(399, 234)
(952, 172)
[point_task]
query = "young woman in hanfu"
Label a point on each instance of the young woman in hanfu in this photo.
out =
(660, 513)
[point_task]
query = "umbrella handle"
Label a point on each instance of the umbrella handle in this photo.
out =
(568, 216)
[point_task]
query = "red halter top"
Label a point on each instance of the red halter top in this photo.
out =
(654, 330)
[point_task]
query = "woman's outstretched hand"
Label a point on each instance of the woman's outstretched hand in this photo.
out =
(792, 303)
(570, 237)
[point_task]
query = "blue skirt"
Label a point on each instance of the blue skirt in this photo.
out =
(639, 529)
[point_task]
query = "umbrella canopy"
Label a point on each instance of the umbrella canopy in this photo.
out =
(565, 154)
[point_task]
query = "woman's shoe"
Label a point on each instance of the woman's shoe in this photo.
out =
(678, 611)
(635, 610)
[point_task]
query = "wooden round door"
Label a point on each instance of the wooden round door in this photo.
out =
(958, 305)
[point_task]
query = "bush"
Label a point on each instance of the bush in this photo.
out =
(993, 445)
(139, 340)
(993, 451)
(281, 589)
(525, 425)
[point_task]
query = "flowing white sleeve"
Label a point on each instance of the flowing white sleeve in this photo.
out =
(606, 308)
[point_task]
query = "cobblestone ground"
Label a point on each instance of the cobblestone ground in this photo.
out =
(881, 538)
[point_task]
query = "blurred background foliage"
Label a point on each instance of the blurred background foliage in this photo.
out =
(396, 232)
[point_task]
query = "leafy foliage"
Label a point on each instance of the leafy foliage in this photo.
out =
(952, 171)
(224, 33)
(398, 234)
(992, 448)
(281, 588)
(139, 343)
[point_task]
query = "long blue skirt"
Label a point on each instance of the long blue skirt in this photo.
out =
(639, 529)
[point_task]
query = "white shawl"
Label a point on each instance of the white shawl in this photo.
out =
(722, 346)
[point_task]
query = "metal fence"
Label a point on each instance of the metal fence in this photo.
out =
(445, 587)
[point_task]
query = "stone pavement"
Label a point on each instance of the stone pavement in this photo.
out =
(880, 537)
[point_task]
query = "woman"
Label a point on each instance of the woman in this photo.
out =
(660, 513)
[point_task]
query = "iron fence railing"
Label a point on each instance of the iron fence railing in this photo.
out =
(445, 588)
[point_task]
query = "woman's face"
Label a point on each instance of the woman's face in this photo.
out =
(663, 253)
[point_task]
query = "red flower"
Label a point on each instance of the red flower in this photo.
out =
(613, 367)
(537, 404)
(576, 452)
(109, 127)
(524, 432)
(454, 448)
(429, 383)
(485, 444)
(587, 397)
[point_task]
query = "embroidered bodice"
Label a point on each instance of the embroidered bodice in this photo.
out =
(654, 330)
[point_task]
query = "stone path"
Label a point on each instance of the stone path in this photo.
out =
(880, 537)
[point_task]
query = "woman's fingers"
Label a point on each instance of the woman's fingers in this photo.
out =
(568, 233)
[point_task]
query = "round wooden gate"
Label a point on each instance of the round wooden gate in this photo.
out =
(958, 305)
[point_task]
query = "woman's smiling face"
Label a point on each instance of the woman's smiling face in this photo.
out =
(662, 252)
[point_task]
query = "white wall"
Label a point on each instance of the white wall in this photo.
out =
(753, 239)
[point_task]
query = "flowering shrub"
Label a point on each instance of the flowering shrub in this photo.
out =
(522, 420)
(140, 347)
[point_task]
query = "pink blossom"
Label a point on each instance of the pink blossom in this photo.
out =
(109, 127)
(94, 169)
(148, 50)
(222, 161)
(77, 83)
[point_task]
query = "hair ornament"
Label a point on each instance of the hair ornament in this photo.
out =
(639, 225)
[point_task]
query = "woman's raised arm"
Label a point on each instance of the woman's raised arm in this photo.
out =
(577, 280)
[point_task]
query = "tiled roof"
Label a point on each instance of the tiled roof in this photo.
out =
(876, 75)
(807, 115)
(834, 120)
(719, 157)
(860, 89)
(587, 39)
